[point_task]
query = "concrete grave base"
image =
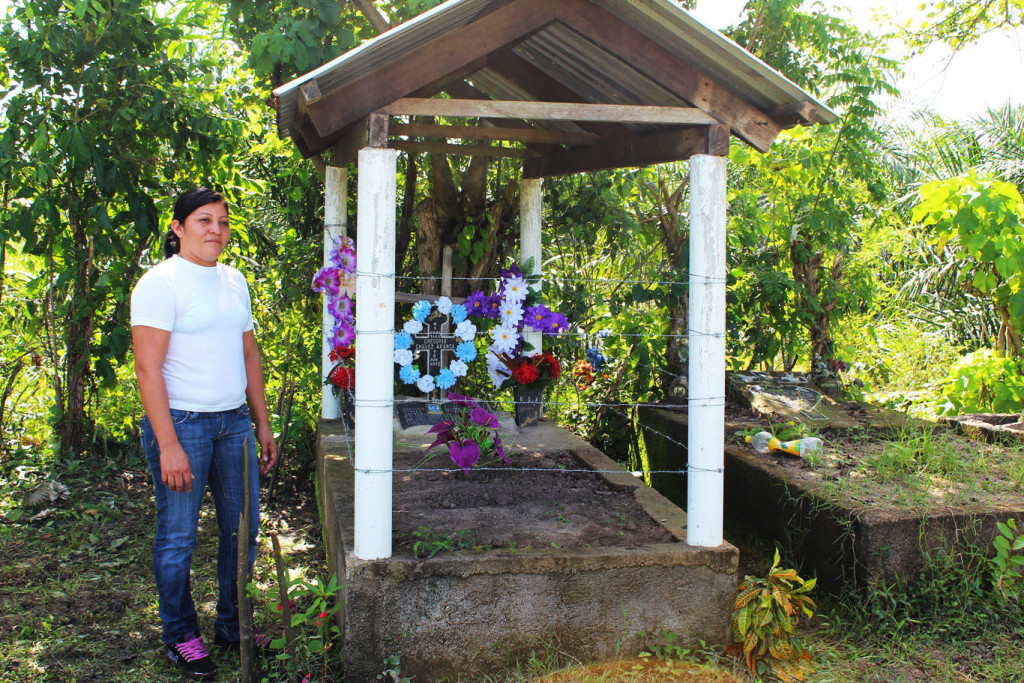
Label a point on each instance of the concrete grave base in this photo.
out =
(841, 544)
(460, 615)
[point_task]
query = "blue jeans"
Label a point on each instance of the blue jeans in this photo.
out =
(213, 443)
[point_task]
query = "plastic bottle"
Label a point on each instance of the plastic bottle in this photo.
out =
(763, 442)
(801, 447)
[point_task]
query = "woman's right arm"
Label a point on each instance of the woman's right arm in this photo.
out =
(150, 346)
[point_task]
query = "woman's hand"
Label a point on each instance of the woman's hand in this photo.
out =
(175, 469)
(268, 448)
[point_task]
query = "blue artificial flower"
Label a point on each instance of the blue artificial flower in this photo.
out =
(421, 309)
(409, 374)
(466, 351)
(445, 379)
(595, 357)
(403, 340)
(459, 313)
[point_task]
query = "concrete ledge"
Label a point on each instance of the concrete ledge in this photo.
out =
(843, 545)
(460, 615)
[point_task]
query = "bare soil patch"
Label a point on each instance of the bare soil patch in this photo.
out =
(536, 500)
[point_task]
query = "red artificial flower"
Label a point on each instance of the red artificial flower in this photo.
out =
(341, 353)
(343, 377)
(554, 367)
(525, 373)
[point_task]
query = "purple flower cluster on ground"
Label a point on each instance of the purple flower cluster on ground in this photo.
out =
(470, 432)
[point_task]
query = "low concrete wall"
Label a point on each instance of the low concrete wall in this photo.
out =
(841, 544)
(460, 615)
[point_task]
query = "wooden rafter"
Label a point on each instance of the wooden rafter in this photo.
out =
(675, 74)
(431, 61)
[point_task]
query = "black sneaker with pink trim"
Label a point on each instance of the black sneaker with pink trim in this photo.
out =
(190, 656)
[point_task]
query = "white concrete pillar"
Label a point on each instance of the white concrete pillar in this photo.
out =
(531, 200)
(335, 225)
(706, 390)
(375, 344)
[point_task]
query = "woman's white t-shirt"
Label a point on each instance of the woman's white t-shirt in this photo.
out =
(206, 310)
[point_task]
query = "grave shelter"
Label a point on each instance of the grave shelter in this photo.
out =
(565, 86)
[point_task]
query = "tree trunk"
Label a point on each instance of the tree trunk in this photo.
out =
(77, 364)
(677, 242)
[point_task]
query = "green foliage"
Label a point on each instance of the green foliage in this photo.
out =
(430, 542)
(983, 381)
(959, 23)
(312, 622)
(797, 212)
(980, 221)
(1007, 563)
(109, 109)
(764, 621)
(393, 671)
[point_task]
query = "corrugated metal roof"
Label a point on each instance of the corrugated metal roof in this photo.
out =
(572, 60)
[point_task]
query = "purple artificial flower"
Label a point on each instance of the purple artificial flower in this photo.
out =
(557, 323)
(460, 400)
(494, 307)
(483, 418)
(443, 429)
(327, 280)
(500, 449)
(345, 259)
(344, 335)
(478, 303)
(512, 271)
(537, 317)
(340, 307)
(464, 453)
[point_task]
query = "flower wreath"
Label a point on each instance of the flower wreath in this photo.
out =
(465, 352)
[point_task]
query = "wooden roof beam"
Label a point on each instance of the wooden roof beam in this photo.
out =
(432, 61)
(656, 148)
(675, 74)
(549, 111)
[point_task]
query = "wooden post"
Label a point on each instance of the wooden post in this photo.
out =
(375, 344)
(706, 390)
(530, 204)
(335, 225)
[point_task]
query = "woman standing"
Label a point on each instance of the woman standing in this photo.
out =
(198, 365)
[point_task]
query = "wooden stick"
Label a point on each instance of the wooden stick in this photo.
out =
(283, 441)
(245, 649)
(286, 612)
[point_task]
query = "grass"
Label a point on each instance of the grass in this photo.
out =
(77, 601)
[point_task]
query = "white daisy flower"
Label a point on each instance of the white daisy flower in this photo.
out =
(413, 326)
(458, 368)
(403, 356)
(465, 330)
(511, 313)
(505, 339)
(425, 384)
(444, 305)
(496, 370)
(516, 289)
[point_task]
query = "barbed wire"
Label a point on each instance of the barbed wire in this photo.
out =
(560, 278)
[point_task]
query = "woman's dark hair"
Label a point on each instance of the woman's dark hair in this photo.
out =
(187, 202)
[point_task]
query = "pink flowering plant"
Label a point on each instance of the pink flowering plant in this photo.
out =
(470, 432)
(337, 282)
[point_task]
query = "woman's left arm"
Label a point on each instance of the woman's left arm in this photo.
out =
(255, 394)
